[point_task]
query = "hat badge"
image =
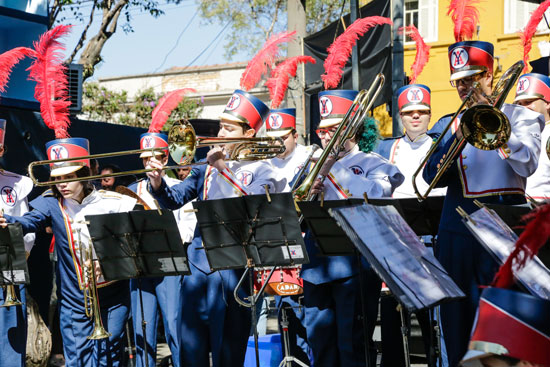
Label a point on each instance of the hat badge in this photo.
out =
(59, 152)
(148, 142)
(415, 95)
(459, 57)
(523, 84)
(275, 121)
(234, 102)
(325, 105)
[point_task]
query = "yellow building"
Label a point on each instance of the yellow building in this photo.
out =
(499, 23)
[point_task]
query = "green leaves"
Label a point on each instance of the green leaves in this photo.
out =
(101, 104)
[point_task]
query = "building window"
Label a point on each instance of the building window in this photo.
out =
(517, 14)
(423, 14)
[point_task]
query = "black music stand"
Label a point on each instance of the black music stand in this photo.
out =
(13, 259)
(138, 244)
(422, 216)
(13, 262)
(251, 231)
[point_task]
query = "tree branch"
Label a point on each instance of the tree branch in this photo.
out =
(91, 56)
(82, 36)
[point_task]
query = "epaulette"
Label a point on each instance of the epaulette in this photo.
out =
(47, 193)
(9, 174)
(110, 194)
(392, 138)
(445, 116)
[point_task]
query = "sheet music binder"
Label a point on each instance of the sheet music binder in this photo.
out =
(13, 259)
(254, 229)
(499, 240)
(138, 244)
(395, 252)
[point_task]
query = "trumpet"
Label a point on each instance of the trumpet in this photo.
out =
(347, 129)
(484, 126)
(182, 145)
(11, 297)
(91, 298)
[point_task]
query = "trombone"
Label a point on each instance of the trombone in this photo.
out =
(484, 126)
(91, 298)
(347, 129)
(182, 144)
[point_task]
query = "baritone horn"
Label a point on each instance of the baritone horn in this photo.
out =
(182, 144)
(484, 126)
(91, 298)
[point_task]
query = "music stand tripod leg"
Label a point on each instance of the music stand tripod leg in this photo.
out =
(254, 319)
(366, 336)
(288, 359)
(143, 325)
(404, 333)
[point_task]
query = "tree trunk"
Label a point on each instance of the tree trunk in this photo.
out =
(91, 56)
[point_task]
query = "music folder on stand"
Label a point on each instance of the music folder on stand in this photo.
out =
(247, 232)
(13, 262)
(138, 244)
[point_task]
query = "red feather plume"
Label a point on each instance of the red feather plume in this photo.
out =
(165, 106)
(465, 17)
(263, 60)
(278, 83)
(51, 82)
(530, 29)
(422, 52)
(535, 235)
(8, 60)
(340, 50)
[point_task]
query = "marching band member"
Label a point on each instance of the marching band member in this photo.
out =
(64, 208)
(162, 294)
(497, 176)
(282, 123)
(13, 320)
(332, 304)
(212, 319)
(533, 92)
(406, 152)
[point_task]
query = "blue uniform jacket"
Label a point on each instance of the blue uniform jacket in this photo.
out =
(47, 212)
(496, 176)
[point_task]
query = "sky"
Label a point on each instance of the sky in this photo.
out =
(178, 38)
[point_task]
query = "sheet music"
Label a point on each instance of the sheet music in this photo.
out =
(499, 240)
(383, 234)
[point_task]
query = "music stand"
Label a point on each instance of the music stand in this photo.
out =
(138, 244)
(13, 259)
(13, 262)
(422, 216)
(499, 240)
(251, 231)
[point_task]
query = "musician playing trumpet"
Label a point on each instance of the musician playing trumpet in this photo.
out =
(213, 322)
(490, 176)
(533, 92)
(64, 208)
